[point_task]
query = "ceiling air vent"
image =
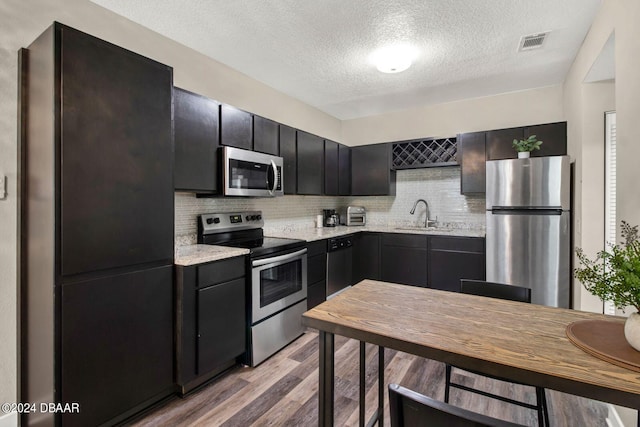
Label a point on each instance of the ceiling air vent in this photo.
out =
(533, 41)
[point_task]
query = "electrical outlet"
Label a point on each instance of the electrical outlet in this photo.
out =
(3, 187)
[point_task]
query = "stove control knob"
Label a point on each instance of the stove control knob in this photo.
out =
(258, 217)
(209, 220)
(248, 217)
(216, 220)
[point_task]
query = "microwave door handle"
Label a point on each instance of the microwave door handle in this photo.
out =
(275, 178)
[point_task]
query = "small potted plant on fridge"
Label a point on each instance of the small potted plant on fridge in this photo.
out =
(614, 276)
(524, 147)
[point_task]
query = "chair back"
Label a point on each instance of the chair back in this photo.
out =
(495, 290)
(410, 409)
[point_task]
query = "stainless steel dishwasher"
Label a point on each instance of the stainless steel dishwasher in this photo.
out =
(339, 264)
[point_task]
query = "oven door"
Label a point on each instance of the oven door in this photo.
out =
(247, 173)
(277, 282)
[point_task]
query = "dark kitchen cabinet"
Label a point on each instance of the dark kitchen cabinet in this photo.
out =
(316, 273)
(453, 258)
(236, 127)
(196, 120)
(478, 147)
(471, 156)
(288, 152)
(98, 206)
(107, 172)
(344, 170)
(331, 168)
(310, 164)
(265, 135)
(366, 256)
(371, 173)
(500, 143)
(117, 343)
(403, 259)
(553, 136)
(221, 324)
(211, 323)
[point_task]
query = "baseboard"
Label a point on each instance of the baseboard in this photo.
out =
(613, 419)
(9, 420)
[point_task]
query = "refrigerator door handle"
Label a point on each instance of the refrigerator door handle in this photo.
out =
(504, 210)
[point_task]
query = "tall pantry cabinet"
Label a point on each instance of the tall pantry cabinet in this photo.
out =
(97, 229)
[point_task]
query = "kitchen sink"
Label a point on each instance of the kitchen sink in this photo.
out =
(425, 229)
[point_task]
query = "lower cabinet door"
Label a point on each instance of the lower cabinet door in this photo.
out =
(446, 268)
(404, 265)
(117, 344)
(221, 324)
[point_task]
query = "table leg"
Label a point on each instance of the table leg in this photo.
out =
(362, 383)
(325, 388)
(381, 386)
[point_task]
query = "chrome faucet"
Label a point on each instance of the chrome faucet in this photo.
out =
(427, 222)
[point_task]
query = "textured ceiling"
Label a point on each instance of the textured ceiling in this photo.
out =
(317, 51)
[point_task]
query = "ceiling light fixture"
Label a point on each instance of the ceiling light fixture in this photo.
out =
(393, 59)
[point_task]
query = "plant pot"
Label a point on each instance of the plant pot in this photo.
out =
(523, 154)
(632, 330)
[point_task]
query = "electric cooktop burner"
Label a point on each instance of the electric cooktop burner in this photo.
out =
(242, 230)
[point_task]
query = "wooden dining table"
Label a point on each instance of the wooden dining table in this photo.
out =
(522, 342)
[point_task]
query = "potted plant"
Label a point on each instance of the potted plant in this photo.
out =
(614, 276)
(525, 146)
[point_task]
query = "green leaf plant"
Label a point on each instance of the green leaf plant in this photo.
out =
(528, 144)
(614, 275)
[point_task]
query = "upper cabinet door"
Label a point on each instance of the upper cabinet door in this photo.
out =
(116, 153)
(236, 129)
(471, 156)
(553, 137)
(371, 173)
(330, 168)
(196, 142)
(288, 152)
(310, 164)
(344, 170)
(500, 143)
(265, 135)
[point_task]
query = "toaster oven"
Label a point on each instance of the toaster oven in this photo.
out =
(356, 215)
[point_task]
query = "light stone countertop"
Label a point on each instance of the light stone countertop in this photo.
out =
(199, 254)
(313, 234)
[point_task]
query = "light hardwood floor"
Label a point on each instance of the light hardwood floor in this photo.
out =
(282, 391)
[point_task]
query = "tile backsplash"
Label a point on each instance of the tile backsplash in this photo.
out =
(440, 187)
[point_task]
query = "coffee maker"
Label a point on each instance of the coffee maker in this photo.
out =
(331, 218)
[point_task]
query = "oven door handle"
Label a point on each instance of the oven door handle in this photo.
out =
(287, 257)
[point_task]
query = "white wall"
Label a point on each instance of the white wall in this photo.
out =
(619, 17)
(513, 109)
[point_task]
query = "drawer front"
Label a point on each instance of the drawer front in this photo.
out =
(316, 248)
(460, 244)
(316, 294)
(404, 240)
(221, 271)
(316, 269)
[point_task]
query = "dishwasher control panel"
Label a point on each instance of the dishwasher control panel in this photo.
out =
(338, 243)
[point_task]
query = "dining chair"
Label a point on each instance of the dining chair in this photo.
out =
(410, 409)
(506, 292)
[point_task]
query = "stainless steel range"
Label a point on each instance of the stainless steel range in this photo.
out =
(277, 272)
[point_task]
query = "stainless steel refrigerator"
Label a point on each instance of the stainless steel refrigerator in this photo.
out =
(528, 226)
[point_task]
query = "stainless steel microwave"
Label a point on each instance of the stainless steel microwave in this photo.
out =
(247, 173)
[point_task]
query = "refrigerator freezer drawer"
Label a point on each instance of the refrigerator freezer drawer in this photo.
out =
(533, 251)
(533, 182)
